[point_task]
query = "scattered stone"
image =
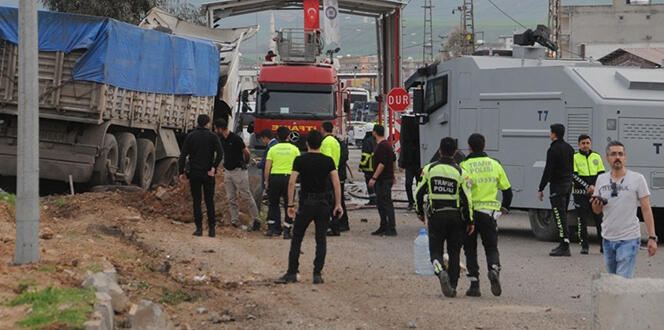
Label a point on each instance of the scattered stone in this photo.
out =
(356, 310)
(201, 310)
(46, 233)
(94, 325)
(161, 194)
(411, 325)
(548, 309)
(289, 322)
(244, 228)
(134, 218)
(69, 272)
(97, 280)
(74, 263)
(199, 278)
(364, 220)
(208, 251)
(227, 318)
(150, 316)
(120, 300)
(251, 317)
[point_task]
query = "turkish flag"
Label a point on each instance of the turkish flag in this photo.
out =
(311, 12)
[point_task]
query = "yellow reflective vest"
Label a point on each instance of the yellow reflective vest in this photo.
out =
(486, 177)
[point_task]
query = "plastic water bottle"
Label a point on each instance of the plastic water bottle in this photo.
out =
(421, 253)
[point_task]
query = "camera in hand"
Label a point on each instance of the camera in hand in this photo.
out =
(602, 199)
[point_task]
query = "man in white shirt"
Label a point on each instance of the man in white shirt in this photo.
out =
(618, 194)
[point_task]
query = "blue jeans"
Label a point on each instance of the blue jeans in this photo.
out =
(620, 256)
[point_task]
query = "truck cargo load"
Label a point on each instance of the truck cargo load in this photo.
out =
(113, 97)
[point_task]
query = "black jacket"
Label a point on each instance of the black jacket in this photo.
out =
(559, 167)
(203, 149)
(343, 160)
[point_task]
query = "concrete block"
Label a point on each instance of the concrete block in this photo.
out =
(620, 303)
(118, 297)
(111, 274)
(99, 281)
(104, 307)
(96, 323)
(149, 316)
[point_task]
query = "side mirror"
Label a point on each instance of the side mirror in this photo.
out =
(418, 100)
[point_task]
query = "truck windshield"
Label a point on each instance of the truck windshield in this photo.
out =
(297, 103)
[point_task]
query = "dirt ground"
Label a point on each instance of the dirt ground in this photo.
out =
(369, 281)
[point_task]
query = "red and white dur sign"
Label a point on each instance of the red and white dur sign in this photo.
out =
(398, 99)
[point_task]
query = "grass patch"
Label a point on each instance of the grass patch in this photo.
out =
(95, 268)
(8, 198)
(45, 269)
(140, 285)
(61, 201)
(173, 298)
(69, 306)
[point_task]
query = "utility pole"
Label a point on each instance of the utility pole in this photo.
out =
(555, 19)
(427, 44)
(27, 176)
(467, 28)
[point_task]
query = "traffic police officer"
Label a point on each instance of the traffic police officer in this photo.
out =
(486, 177)
(587, 166)
(448, 211)
(331, 148)
(278, 168)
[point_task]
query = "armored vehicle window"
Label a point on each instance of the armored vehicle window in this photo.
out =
(436, 93)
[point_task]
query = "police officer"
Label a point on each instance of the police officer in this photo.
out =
(448, 210)
(366, 164)
(319, 185)
(278, 167)
(558, 172)
(587, 166)
(331, 148)
(486, 177)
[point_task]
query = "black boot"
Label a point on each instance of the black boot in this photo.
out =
(561, 250)
(318, 279)
(256, 226)
(286, 278)
(494, 278)
(584, 248)
(199, 228)
(287, 233)
(379, 232)
(474, 290)
(198, 232)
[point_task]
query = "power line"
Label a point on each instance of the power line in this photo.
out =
(506, 14)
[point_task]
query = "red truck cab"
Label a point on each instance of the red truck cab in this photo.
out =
(300, 97)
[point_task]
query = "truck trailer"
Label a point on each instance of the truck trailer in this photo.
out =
(114, 98)
(513, 101)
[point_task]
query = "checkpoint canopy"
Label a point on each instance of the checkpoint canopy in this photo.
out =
(388, 27)
(124, 55)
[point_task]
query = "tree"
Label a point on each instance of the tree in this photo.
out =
(130, 11)
(452, 47)
(185, 11)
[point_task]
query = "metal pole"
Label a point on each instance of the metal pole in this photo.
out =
(27, 177)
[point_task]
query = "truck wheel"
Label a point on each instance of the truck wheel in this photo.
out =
(127, 155)
(106, 163)
(165, 172)
(542, 224)
(145, 164)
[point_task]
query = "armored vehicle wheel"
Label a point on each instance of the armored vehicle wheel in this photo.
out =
(106, 163)
(145, 165)
(542, 224)
(127, 155)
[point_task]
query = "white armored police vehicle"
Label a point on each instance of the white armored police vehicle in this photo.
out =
(513, 101)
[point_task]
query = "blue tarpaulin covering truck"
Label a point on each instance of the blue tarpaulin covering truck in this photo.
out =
(113, 97)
